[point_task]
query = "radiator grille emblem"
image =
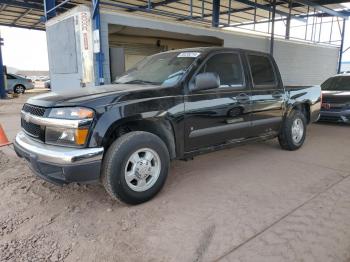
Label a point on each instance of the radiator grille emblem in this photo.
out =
(26, 117)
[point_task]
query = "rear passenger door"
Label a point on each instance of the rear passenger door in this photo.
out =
(220, 115)
(268, 94)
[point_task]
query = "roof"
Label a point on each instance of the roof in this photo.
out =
(210, 49)
(30, 13)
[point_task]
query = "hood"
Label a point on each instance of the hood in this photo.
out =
(88, 94)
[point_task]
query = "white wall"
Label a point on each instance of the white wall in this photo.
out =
(299, 63)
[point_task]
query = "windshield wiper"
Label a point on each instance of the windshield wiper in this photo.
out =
(140, 82)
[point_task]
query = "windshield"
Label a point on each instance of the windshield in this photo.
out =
(338, 83)
(164, 69)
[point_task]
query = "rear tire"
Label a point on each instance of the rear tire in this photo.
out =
(293, 131)
(19, 89)
(135, 167)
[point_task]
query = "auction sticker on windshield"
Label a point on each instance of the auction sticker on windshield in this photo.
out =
(189, 54)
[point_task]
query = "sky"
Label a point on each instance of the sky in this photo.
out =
(26, 49)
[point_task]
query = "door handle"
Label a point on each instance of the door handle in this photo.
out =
(277, 94)
(242, 97)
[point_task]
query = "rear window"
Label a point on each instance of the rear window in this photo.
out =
(338, 83)
(262, 70)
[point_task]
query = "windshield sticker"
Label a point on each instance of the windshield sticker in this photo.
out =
(189, 54)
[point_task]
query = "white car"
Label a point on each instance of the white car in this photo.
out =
(18, 84)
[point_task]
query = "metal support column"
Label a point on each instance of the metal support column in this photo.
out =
(341, 46)
(288, 19)
(49, 9)
(273, 26)
(2, 80)
(331, 31)
(216, 13)
(229, 12)
(307, 21)
(97, 40)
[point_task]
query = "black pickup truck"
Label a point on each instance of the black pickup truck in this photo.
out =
(172, 105)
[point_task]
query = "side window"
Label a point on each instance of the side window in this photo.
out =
(262, 70)
(227, 66)
(10, 77)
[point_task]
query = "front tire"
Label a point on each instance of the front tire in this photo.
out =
(293, 131)
(135, 167)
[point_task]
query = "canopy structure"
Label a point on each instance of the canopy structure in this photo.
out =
(220, 13)
(315, 21)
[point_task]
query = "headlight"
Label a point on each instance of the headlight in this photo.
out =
(68, 136)
(71, 113)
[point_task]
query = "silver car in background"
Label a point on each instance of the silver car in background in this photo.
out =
(18, 84)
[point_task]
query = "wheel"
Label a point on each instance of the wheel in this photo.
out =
(135, 167)
(19, 89)
(293, 131)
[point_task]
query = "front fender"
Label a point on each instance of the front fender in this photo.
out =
(166, 123)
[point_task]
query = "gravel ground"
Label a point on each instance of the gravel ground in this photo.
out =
(251, 203)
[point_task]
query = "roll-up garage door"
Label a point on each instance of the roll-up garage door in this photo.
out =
(124, 56)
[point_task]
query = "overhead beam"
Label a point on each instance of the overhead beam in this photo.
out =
(226, 12)
(321, 8)
(21, 16)
(3, 7)
(329, 2)
(21, 4)
(22, 26)
(268, 8)
(153, 5)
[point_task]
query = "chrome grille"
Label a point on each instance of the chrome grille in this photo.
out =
(31, 129)
(34, 110)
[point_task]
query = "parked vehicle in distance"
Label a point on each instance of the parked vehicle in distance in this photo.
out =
(336, 99)
(18, 84)
(47, 84)
(173, 105)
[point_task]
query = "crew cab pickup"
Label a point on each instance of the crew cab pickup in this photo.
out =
(172, 105)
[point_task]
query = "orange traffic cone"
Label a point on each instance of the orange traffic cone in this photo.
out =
(3, 138)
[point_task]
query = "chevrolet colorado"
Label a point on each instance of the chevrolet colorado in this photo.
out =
(172, 105)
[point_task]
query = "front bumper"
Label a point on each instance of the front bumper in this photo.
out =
(29, 86)
(58, 164)
(338, 116)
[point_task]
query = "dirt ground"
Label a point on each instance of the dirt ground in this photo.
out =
(251, 203)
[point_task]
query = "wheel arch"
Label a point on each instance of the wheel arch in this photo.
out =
(159, 127)
(303, 107)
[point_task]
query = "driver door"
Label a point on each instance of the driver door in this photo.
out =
(221, 115)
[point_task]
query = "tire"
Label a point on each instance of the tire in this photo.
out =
(119, 163)
(19, 89)
(288, 139)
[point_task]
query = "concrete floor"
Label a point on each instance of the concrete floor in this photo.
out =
(251, 203)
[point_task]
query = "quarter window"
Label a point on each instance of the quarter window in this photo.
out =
(262, 70)
(227, 66)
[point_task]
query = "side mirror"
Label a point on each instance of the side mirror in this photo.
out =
(205, 81)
